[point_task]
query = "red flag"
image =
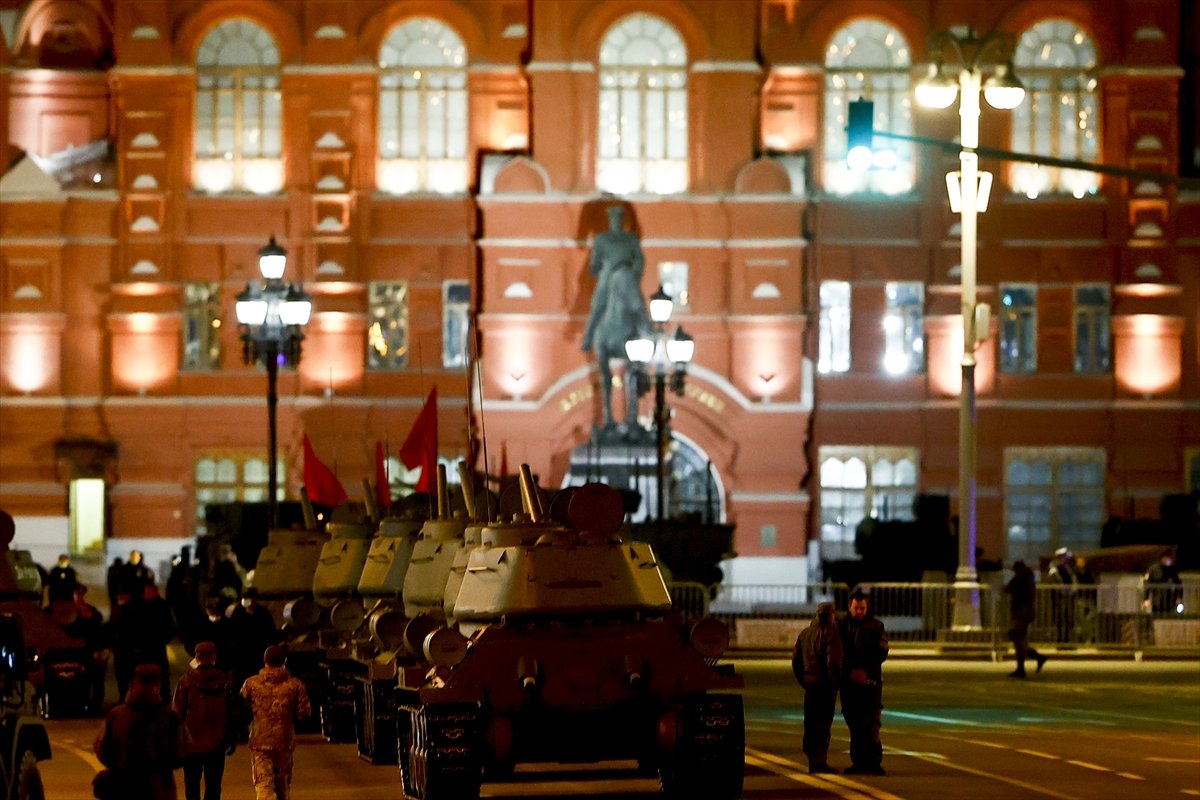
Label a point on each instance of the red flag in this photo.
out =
(383, 491)
(420, 449)
(322, 485)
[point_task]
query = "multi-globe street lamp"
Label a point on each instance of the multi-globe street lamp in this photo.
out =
(665, 357)
(968, 190)
(272, 315)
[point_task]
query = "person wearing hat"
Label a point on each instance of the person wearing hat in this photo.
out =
(140, 744)
(817, 665)
(1022, 592)
(205, 700)
(276, 700)
(865, 648)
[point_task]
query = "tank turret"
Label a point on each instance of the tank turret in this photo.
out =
(571, 658)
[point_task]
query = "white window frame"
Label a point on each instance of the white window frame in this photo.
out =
(642, 119)
(201, 335)
(890, 481)
(456, 325)
(1052, 499)
(833, 328)
(388, 334)
(868, 59)
(423, 109)
(1018, 329)
(673, 277)
(904, 328)
(236, 475)
(1091, 336)
(238, 124)
(1060, 115)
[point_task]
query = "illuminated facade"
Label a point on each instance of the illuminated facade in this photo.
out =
(433, 165)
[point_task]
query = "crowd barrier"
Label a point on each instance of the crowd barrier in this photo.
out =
(1122, 614)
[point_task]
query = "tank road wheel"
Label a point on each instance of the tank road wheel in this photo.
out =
(440, 756)
(710, 750)
(29, 779)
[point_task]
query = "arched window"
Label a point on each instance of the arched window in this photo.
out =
(868, 59)
(642, 121)
(1060, 117)
(422, 109)
(239, 140)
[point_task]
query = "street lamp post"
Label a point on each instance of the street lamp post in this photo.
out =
(272, 316)
(970, 188)
(666, 357)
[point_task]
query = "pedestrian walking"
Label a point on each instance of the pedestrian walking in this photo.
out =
(864, 649)
(112, 581)
(209, 707)
(817, 665)
(251, 630)
(275, 700)
(1022, 592)
(140, 744)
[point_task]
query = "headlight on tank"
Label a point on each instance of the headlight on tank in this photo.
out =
(709, 637)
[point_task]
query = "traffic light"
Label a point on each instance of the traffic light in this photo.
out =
(859, 154)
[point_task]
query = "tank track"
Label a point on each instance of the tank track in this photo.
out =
(710, 750)
(440, 751)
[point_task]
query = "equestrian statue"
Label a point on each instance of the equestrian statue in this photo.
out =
(618, 311)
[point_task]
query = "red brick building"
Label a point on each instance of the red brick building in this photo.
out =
(433, 165)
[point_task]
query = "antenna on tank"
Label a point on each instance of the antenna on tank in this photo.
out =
(474, 340)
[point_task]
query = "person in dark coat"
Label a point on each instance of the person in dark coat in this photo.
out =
(206, 701)
(88, 628)
(1022, 592)
(817, 665)
(251, 631)
(865, 648)
(214, 627)
(141, 743)
(61, 581)
(142, 629)
(112, 581)
(136, 574)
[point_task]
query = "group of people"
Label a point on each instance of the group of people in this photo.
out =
(843, 657)
(145, 739)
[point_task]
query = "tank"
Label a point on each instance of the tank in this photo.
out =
(566, 652)
(24, 628)
(405, 586)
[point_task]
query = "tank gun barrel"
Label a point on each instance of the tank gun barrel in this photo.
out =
(370, 499)
(443, 493)
(468, 489)
(310, 516)
(529, 496)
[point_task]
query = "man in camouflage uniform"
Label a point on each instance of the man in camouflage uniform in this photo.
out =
(276, 700)
(817, 665)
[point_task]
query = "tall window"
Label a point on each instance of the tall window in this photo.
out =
(673, 277)
(1060, 117)
(1054, 497)
(387, 334)
(238, 137)
(643, 123)
(904, 328)
(201, 326)
(1018, 328)
(456, 319)
(833, 344)
(1092, 333)
(422, 109)
(229, 477)
(868, 59)
(857, 482)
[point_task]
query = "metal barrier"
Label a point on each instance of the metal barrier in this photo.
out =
(1120, 614)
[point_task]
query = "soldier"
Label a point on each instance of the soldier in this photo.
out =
(276, 701)
(817, 665)
(865, 648)
(61, 580)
